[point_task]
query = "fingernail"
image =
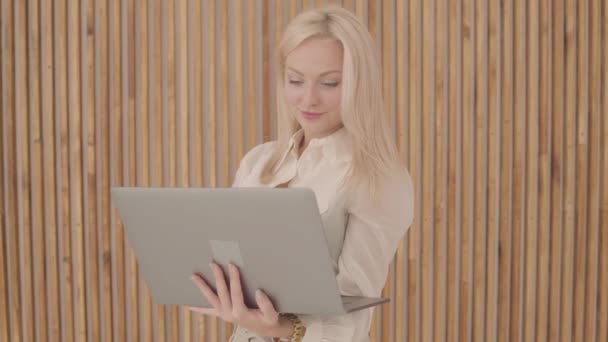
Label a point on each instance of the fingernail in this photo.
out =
(232, 267)
(258, 294)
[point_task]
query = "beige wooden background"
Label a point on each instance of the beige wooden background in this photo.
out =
(500, 109)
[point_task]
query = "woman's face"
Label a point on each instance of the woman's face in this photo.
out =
(313, 76)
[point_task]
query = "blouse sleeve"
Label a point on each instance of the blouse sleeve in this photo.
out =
(374, 230)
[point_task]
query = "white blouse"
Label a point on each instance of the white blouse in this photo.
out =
(362, 234)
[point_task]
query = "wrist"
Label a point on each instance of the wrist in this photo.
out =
(291, 329)
(285, 328)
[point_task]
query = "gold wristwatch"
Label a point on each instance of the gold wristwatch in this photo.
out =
(298, 329)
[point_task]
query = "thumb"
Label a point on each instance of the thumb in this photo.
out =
(266, 307)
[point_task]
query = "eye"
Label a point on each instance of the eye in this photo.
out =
(295, 82)
(330, 84)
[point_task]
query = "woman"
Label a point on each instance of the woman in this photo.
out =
(335, 139)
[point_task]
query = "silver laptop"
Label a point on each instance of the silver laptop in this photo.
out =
(275, 236)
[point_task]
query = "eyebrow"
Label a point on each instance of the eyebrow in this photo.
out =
(323, 74)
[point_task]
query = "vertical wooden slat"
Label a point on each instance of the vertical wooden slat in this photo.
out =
(50, 223)
(35, 153)
(238, 80)
(557, 168)
(9, 143)
(293, 8)
(181, 95)
(144, 112)
(266, 79)
(519, 175)
(194, 91)
(4, 300)
(493, 159)
(118, 160)
(274, 20)
(211, 104)
(117, 125)
(467, 194)
(360, 9)
(104, 104)
(453, 202)
(372, 8)
(480, 141)
(426, 178)
(61, 171)
(592, 209)
(278, 22)
(4, 294)
(75, 171)
(89, 197)
(99, 237)
(140, 300)
(251, 68)
(129, 160)
(224, 69)
(442, 199)
(602, 320)
(545, 158)
(530, 242)
(568, 253)
(581, 172)
(507, 90)
(603, 300)
(24, 228)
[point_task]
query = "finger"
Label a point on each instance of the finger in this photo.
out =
(236, 291)
(206, 290)
(204, 311)
(222, 288)
(266, 307)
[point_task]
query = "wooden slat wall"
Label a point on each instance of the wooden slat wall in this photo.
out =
(500, 110)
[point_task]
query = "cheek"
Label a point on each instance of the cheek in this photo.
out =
(332, 99)
(292, 95)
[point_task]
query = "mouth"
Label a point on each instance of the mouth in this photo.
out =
(311, 115)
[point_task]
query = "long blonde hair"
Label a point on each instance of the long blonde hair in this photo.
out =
(362, 109)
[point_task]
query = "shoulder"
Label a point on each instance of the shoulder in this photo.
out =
(258, 153)
(253, 160)
(392, 200)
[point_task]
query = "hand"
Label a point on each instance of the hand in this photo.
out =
(228, 304)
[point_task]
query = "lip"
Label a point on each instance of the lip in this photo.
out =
(311, 115)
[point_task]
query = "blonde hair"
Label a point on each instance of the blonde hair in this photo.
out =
(362, 109)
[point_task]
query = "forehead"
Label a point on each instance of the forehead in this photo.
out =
(316, 55)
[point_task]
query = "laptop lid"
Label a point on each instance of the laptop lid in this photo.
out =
(275, 236)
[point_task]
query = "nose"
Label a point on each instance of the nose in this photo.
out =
(311, 97)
